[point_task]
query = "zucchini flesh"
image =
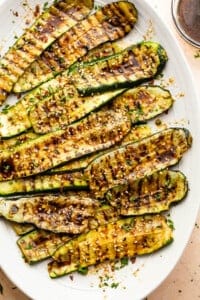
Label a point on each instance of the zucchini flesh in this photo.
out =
(48, 27)
(144, 103)
(136, 160)
(40, 183)
(66, 106)
(67, 213)
(151, 194)
(109, 23)
(125, 69)
(53, 149)
(21, 229)
(16, 119)
(136, 133)
(123, 238)
(40, 244)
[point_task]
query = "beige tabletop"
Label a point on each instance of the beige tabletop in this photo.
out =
(184, 281)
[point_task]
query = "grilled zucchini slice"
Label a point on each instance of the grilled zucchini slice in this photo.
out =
(144, 102)
(43, 183)
(111, 22)
(66, 106)
(151, 194)
(136, 133)
(136, 160)
(67, 213)
(48, 27)
(123, 238)
(40, 244)
(125, 69)
(53, 149)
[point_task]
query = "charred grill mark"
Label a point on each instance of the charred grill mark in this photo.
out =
(75, 11)
(115, 22)
(6, 167)
(55, 19)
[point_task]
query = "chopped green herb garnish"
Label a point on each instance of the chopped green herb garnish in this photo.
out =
(158, 196)
(97, 6)
(132, 198)
(29, 247)
(139, 108)
(61, 60)
(5, 109)
(170, 224)
(83, 270)
(45, 5)
(128, 226)
(114, 285)
(124, 261)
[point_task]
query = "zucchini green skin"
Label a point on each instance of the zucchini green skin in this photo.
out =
(16, 119)
(66, 106)
(136, 133)
(39, 244)
(111, 22)
(125, 69)
(53, 149)
(65, 213)
(136, 160)
(115, 240)
(47, 27)
(43, 183)
(151, 194)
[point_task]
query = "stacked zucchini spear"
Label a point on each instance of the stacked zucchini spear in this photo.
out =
(83, 182)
